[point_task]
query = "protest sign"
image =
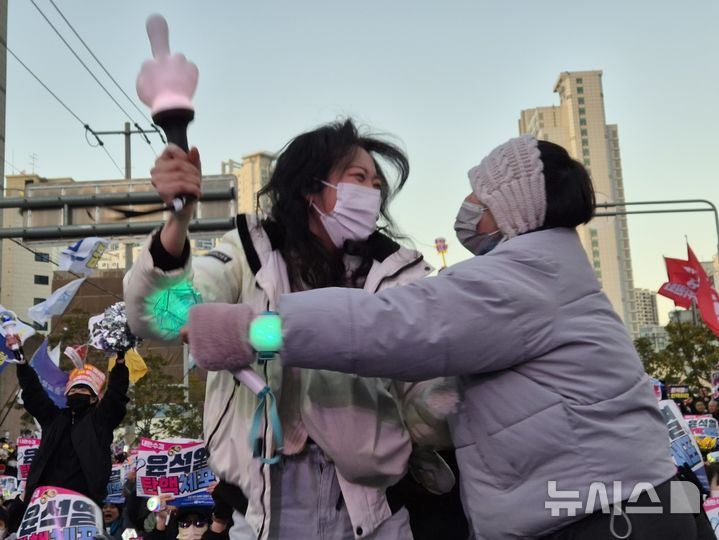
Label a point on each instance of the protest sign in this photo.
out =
(114, 486)
(8, 486)
(677, 392)
(711, 507)
(177, 468)
(684, 447)
(60, 513)
(26, 450)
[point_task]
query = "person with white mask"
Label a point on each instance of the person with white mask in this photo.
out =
(347, 439)
(581, 452)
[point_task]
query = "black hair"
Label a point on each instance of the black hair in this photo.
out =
(570, 194)
(300, 168)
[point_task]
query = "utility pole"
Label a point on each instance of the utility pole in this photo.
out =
(127, 133)
(33, 161)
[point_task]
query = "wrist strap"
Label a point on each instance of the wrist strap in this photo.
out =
(266, 399)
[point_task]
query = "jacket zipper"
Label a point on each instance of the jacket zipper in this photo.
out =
(399, 271)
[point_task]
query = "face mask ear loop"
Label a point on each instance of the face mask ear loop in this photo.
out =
(310, 204)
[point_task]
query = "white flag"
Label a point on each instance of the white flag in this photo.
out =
(95, 333)
(23, 330)
(83, 256)
(56, 304)
(54, 354)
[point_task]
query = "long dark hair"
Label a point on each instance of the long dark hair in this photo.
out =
(302, 165)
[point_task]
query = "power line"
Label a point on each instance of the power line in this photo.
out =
(53, 94)
(111, 158)
(13, 167)
(132, 102)
(82, 62)
(62, 103)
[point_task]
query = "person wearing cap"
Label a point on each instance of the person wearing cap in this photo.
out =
(525, 316)
(75, 450)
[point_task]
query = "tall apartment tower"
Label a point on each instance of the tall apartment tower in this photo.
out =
(578, 124)
(646, 304)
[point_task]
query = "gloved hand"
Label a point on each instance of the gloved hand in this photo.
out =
(167, 81)
(218, 336)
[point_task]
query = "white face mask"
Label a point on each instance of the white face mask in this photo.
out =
(355, 214)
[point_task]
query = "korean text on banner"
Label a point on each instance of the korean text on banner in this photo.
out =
(59, 513)
(26, 450)
(177, 468)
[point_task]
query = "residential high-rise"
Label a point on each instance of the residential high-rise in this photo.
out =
(252, 174)
(646, 306)
(578, 124)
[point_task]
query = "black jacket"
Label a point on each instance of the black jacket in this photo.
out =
(92, 436)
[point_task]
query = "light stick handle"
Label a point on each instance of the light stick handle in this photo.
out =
(250, 379)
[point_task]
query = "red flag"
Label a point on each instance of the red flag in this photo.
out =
(683, 283)
(679, 293)
(707, 297)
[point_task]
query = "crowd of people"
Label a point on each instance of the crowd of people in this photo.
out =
(700, 402)
(390, 387)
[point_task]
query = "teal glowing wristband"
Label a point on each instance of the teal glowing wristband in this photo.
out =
(265, 334)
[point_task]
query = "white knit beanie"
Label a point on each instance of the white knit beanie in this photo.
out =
(510, 182)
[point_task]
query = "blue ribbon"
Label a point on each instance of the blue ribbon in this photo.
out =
(264, 398)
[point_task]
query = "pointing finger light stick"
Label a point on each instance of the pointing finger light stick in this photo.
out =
(166, 84)
(169, 309)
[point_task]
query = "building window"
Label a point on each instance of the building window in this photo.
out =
(585, 142)
(580, 90)
(582, 110)
(579, 80)
(582, 121)
(584, 133)
(595, 242)
(36, 301)
(595, 254)
(585, 151)
(42, 257)
(41, 280)
(580, 101)
(593, 233)
(541, 116)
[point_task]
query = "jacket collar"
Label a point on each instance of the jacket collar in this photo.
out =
(390, 259)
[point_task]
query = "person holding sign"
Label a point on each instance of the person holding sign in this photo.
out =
(75, 450)
(346, 439)
(525, 317)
